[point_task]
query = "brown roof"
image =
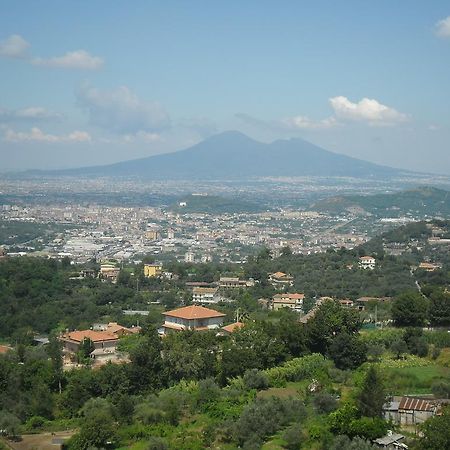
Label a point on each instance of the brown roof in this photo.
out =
(94, 336)
(204, 290)
(233, 327)
(4, 349)
(295, 296)
(416, 404)
(194, 312)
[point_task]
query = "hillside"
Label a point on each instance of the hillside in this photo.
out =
(232, 155)
(214, 204)
(423, 200)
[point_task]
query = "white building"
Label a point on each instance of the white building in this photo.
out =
(367, 262)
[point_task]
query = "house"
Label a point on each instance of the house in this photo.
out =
(413, 411)
(4, 349)
(116, 329)
(346, 303)
(192, 317)
(429, 267)
(391, 441)
(152, 270)
(152, 235)
(235, 283)
(205, 295)
(109, 272)
(281, 280)
(101, 339)
(292, 301)
(232, 327)
(409, 410)
(367, 262)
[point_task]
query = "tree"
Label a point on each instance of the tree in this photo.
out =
(145, 369)
(436, 432)
(347, 351)
(10, 423)
(324, 403)
(99, 431)
(410, 309)
(399, 347)
(330, 320)
(86, 348)
(372, 395)
(440, 308)
(343, 442)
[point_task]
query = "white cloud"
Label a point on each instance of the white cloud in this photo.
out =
(37, 135)
(15, 46)
(305, 123)
(78, 59)
(366, 110)
(442, 28)
(121, 111)
(26, 114)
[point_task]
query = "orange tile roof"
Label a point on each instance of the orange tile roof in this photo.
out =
(94, 336)
(194, 312)
(295, 296)
(233, 327)
(4, 349)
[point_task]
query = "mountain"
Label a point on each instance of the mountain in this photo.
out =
(421, 201)
(233, 155)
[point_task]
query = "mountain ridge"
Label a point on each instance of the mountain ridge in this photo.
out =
(234, 155)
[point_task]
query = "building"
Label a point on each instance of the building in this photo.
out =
(109, 272)
(189, 257)
(192, 317)
(281, 280)
(291, 301)
(232, 327)
(104, 342)
(367, 262)
(346, 303)
(391, 441)
(429, 267)
(205, 295)
(235, 283)
(152, 235)
(152, 270)
(116, 329)
(170, 233)
(406, 411)
(4, 349)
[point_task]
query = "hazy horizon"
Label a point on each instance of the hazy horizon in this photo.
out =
(100, 85)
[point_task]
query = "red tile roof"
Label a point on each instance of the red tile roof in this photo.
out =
(233, 327)
(4, 349)
(94, 336)
(194, 312)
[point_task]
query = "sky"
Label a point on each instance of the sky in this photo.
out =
(94, 82)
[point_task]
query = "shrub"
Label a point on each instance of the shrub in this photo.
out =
(156, 443)
(324, 403)
(293, 437)
(255, 379)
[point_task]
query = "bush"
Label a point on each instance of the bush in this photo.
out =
(255, 379)
(156, 443)
(345, 443)
(324, 403)
(264, 417)
(293, 437)
(297, 369)
(368, 427)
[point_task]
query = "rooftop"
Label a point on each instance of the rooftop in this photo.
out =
(194, 312)
(94, 336)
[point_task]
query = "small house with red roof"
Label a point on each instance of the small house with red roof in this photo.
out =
(192, 317)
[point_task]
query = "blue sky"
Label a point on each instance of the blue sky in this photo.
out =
(91, 82)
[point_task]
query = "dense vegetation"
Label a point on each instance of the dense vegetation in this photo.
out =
(275, 382)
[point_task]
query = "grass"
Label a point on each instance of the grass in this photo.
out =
(414, 380)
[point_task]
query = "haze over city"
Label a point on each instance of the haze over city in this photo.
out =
(89, 83)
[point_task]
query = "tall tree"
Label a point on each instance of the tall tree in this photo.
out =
(372, 395)
(410, 309)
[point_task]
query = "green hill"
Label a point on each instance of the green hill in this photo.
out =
(425, 201)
